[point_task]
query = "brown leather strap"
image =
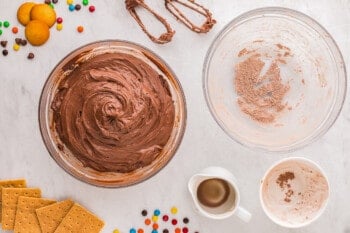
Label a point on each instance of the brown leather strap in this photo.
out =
(163, 38)
(191, 4)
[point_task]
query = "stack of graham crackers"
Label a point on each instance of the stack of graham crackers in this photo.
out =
(24, 211)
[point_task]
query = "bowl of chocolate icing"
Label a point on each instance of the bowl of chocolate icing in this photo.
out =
(112, 113)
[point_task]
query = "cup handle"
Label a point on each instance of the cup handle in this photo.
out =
(243, 214)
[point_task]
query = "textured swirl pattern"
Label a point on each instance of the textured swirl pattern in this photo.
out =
(114, 112)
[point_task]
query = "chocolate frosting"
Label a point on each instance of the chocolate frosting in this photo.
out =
(114, 113)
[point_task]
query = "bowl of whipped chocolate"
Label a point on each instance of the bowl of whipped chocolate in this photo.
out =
(274, 79)
(112, 113)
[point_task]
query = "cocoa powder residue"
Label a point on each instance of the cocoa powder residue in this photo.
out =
(260, 95)
(283, 182)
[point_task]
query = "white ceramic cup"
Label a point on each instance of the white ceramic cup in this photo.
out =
(230, 207)
(307, 200)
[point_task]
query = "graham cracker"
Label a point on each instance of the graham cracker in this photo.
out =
(10, 184)
(26, 219)
(9, 203)
(51, 216)
(80, 220)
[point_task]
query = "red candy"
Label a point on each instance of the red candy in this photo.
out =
(174, 222)
(185, 230)
(165, 218)
(91, 8)
(59, 20)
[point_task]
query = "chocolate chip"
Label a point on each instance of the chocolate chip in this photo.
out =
(186, 220)
(3, 43)
(54, 1)
(30, 55)
(24, 42)
(5, 52)
(144, 213)
(47, 1)
(18, 41)
(77, 7)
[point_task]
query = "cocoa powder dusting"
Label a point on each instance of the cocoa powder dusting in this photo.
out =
(260, 95)
(282, 181)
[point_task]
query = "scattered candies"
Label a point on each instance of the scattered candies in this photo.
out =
(6, 24)
(30, 56)
(77, 7)
(154, 218)
(71, 7)
(156, 212)
(5, 52)
(16, 47)
(15, 30)
(186, 220)
(80, 29)
(144, 213)
(147, 221)
(155, 226)
(3, 43)
(92, 8)
(59, 27)
(174, 222)
(165, 218)
(173, 210)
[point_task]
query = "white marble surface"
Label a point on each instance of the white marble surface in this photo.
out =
(23, 153)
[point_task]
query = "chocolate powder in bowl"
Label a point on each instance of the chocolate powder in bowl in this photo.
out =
(260, 95)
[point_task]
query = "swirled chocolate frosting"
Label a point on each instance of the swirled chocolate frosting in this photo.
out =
(114, 112)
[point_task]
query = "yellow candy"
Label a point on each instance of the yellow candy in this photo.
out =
(154, 218)
(69, 2)
(59, 27)
(173, 210)
(16, 47)
(116, 231)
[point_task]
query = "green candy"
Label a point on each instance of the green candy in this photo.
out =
(6, 24)
(0, 32)
(85, 2)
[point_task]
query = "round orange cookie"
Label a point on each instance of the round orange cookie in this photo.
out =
(37, 32)
(23, 12)
(44, 13)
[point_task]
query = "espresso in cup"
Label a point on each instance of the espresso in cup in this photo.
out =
(213, 192)
(294, 192)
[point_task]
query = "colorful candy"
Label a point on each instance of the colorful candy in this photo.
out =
(59, 27)
(156, 212)
(69, 2)
(85, 2)
(185, 230)
(140, 230)
(5, 52)
(132, 230)
(15, 30)
(59, 20)
(80, 29)
(71, 7)
(6, 24)
(144, 213)
(154, 218)
(174, 222)
(30, 56)
(92, 8)
(177, 230)
(165, 218)
(155, 226)
(147, 221)
(186, 220)
(116, 231)
(173, 210)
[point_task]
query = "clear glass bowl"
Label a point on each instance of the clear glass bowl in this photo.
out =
(66, 159)
(315, 72)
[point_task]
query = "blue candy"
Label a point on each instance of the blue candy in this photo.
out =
(71, 7)
(156, 212)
